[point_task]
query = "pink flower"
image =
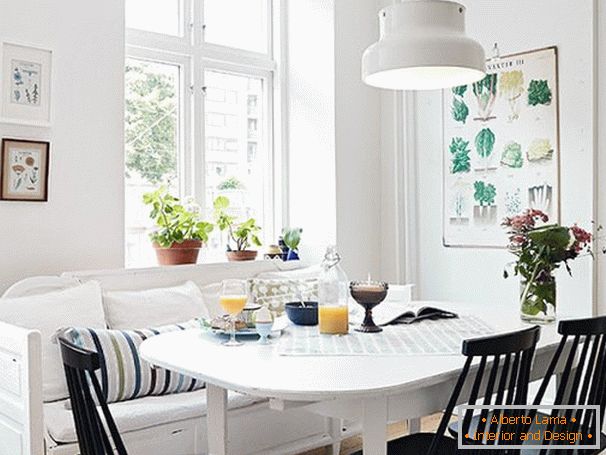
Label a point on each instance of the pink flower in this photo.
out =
(580, 234)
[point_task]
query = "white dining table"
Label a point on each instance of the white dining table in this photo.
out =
(374, 389)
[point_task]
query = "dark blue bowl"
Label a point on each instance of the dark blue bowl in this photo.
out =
(302, 315)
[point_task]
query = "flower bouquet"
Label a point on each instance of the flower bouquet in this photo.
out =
(541, 248)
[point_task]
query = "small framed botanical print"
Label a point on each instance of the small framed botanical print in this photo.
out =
(24, 166)
(26, 84)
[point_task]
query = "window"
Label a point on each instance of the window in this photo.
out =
(159, 16)
(151, 145)
(199, 112)
(241, 24)
(242, 178)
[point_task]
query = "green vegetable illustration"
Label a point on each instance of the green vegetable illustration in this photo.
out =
(539, 93)
(484, 194)
(460, 90)
(485, 92)
(485, 144)
(540, 149)
(512, 155)
(460, 161)
(511, 84)
(459, 110)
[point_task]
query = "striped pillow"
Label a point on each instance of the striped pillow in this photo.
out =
(123, 374)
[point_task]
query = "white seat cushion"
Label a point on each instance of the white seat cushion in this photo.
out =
(153, 307)
(141, 413)
(79, 306)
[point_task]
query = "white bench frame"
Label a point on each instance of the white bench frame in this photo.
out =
(22, 429)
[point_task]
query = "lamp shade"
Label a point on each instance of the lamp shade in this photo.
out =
(423, 46)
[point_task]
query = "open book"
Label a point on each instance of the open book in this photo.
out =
(395, 313)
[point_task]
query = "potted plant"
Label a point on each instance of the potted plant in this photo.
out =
(292, 238)
(243, 235)
(180, 230)
(540, 249)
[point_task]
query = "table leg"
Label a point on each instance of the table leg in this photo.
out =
(335, 431)
(374, 426)
(414, 425)
(216, 419)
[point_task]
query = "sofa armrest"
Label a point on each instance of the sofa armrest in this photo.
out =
(401, 292)
(21, 413)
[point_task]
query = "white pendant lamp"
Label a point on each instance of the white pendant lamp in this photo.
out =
(423, 46)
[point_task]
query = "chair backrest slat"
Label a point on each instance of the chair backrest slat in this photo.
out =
(583, 374)
(513, 377)
(80, 366)
(488, 392)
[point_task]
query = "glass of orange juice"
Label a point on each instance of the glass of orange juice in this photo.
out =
(233, 299)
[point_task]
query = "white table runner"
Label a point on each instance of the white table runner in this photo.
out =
(439, 337)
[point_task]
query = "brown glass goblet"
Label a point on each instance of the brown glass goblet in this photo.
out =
(368, 294)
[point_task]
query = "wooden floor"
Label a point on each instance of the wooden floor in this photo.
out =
(395, 430)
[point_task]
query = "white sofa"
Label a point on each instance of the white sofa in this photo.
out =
(172, 424)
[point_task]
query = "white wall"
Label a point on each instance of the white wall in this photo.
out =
(81, 225)
(358, 141)
(310, 78)
(600, 26)
(473, 274)
(334, 132)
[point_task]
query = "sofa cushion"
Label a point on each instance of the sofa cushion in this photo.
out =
(153, 307)
(123, 374)
(274, 293)
(305, 273)
(141, 413)
(78, 306)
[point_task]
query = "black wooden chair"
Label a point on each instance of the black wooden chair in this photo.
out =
(504, 367)
(582, 382)
(80, 366)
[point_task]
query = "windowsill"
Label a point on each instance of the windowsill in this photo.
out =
(280, 265)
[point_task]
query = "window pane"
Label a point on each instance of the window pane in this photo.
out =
(151, 137)
(160, 16)
(236, 153)
(237, 23)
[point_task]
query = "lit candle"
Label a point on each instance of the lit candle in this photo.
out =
(368, 286)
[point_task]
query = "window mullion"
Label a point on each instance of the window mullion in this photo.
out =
(198, 18)
(188, 20)
(198, 162)
(185, 132)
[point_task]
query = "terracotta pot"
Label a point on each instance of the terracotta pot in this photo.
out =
(245, 255)
(178, 253)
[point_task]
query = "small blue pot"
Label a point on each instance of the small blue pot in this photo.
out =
(302, 315)
(292, 255)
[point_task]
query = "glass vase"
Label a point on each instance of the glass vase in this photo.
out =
(538, 300)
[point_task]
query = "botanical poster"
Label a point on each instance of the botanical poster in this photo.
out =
(501, 148)
(24, 171)
(25, 83)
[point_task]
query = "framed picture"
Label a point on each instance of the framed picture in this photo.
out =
(24, 175)
(501, 152)
(26, 84)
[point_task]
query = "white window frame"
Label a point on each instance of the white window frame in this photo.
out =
(194, 56)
